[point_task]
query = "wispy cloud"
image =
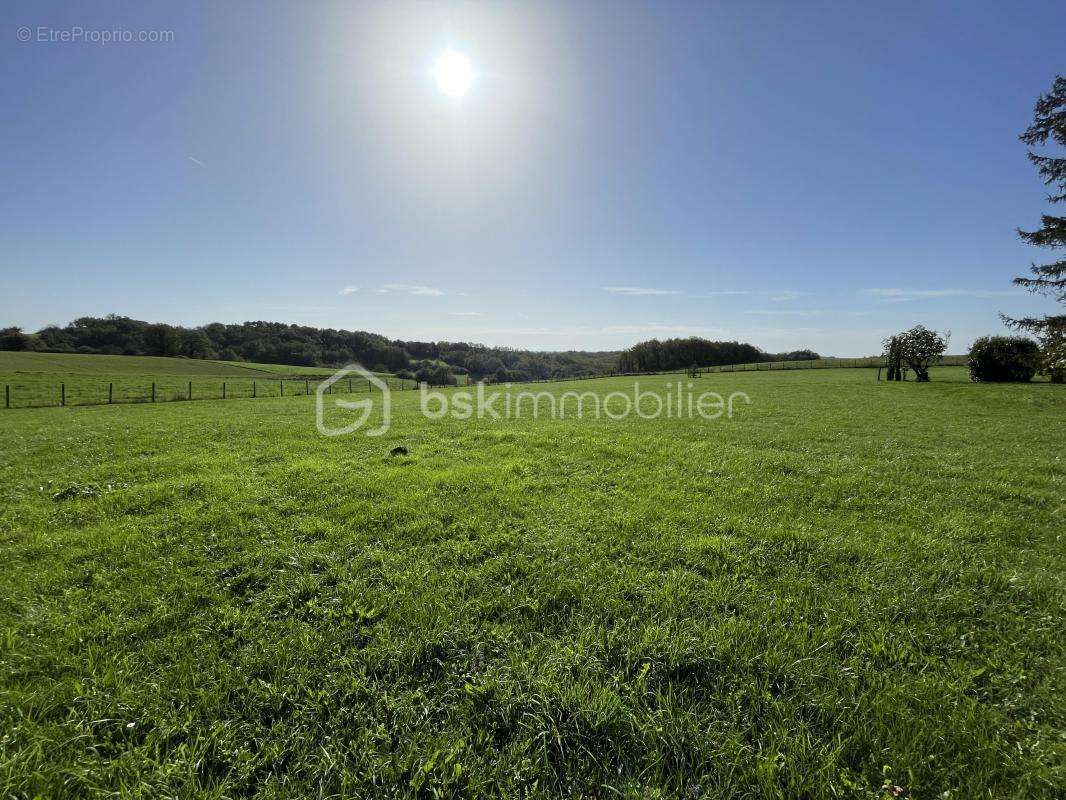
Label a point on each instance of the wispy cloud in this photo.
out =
(906, 295)
(786, 312)
(196, 161)
(775, 295)
(637, 291)
(656, 328)
(465, 314)
(289, 308)
(348, 290)
(407, 288)
(634, 329)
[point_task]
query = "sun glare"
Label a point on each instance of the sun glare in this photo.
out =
(453, 73)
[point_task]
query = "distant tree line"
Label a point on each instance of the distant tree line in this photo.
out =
(503, 364)
(298, 345)
(677, 354)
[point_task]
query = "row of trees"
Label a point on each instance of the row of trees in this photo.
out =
(278, 343)
(675, 354)
(438, 362)
(503, 364)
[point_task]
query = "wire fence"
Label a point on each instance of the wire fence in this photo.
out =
(33, 393)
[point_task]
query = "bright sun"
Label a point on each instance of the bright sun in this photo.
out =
(453, 73)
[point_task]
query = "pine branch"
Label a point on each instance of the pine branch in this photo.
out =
(1051, 234)
(1041, 326)
(1049, 116)
(1049, 122)
(1053, 271)
(1056, 289)
(1052, 170)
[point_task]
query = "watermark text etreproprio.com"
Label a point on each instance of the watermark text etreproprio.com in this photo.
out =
(677, 401)
(76, 34)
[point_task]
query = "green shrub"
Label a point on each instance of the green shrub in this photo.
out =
(1003, 358)
(14, 339)
(437, 375)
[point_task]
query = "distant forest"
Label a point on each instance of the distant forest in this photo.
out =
(675, 354)
(298, 345)
(435, 362)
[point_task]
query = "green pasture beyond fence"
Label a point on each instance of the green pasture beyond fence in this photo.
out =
(761, 366)
(32, 393)
(823, 363)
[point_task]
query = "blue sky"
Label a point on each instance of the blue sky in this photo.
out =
(791, 174)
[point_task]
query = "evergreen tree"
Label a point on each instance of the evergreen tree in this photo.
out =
(1049, 122)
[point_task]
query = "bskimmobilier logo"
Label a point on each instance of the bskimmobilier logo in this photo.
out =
(674, 401)
(366, 405)
(678, 401)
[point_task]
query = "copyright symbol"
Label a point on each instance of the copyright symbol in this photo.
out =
(24, 34)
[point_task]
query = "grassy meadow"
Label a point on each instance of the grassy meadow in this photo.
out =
(850, 589)
(14, 362)
(824, 363)
(51, 379)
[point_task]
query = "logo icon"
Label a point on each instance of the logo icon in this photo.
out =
(366, 406)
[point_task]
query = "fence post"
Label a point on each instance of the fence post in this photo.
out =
(349, 386)
(253, 388)
(307, 387)
(62, 394)
(223, 390)
(7, 396)
(281, 386)
(153, 391)
(190, 390)
(110, 392)
(369, 386)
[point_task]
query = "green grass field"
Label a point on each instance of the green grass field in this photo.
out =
(850, 589)
(49, 379)
(81, 364)
(824, 363)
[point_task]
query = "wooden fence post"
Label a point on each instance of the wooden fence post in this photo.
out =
(190, 390)
(281, 386)
(153, 391)
(62, 394)
(223, 390)
(349, 386)
(307, 387)
(253, 388)
(110, 393)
